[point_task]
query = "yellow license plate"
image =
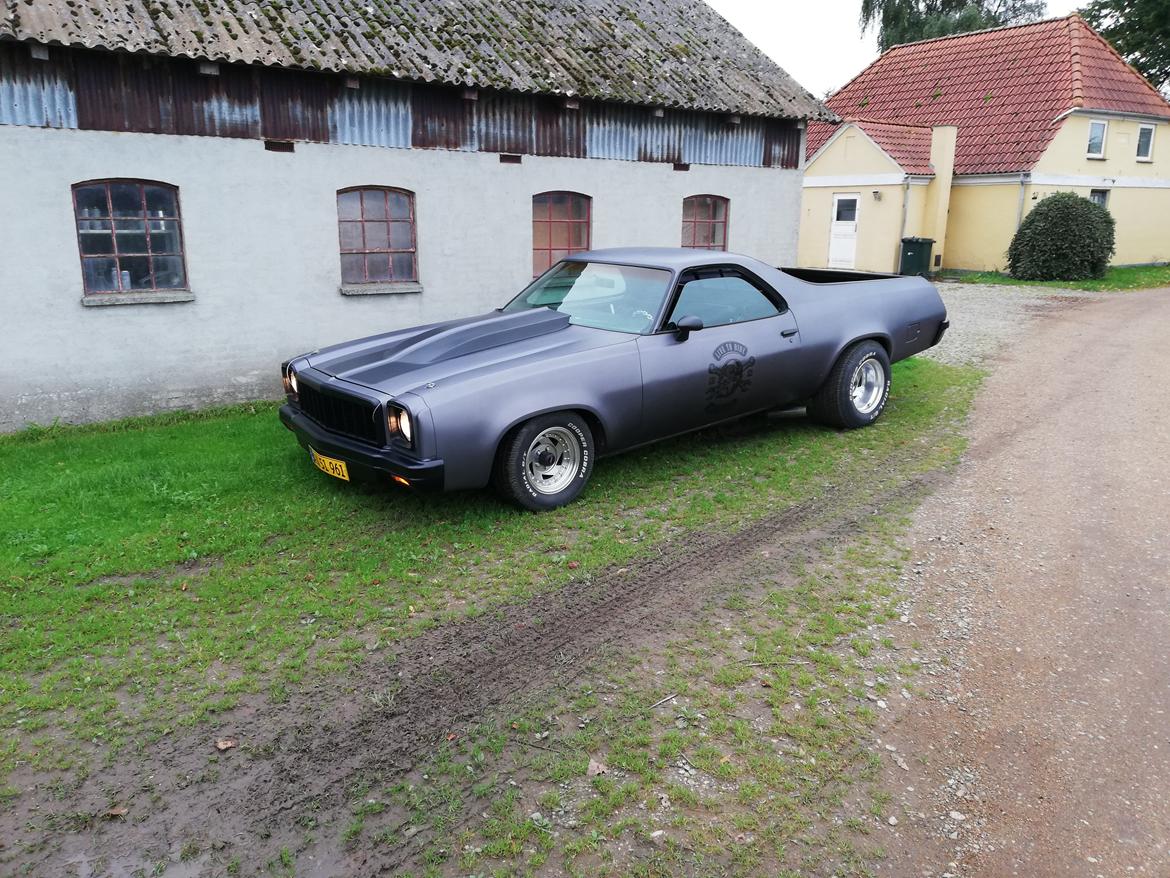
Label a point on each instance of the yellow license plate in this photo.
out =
(330, 465)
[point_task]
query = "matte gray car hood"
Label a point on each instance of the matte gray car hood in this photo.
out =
(396, 362)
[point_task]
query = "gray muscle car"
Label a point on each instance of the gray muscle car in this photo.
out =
(605, 351)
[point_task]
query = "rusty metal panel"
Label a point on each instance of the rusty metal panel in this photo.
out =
(781, 144)
(295, 105)
(505, 123)
(559, 131)
(442, 119)
(376, 114)
(36, 93)
(636, 134)
(215, 106)
(101, 93)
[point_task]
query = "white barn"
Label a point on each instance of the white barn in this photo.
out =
(194, 191)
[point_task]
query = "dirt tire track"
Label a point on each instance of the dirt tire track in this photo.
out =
(448, 677)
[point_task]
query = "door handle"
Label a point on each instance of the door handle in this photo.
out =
(788, 333)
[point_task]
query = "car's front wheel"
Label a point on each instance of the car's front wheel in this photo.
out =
(856, 391)
(546, 462)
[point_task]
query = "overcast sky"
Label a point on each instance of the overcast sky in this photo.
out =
(821, 45)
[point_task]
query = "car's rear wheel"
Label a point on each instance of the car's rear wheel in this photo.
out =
(546, 462)
(855, 393)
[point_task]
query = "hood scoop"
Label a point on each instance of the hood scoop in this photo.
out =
(374, 360)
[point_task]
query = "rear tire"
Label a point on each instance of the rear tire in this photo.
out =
(546, 462)
(855, 393)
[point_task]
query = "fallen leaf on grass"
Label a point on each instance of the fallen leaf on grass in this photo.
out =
(225, 744)
(573, 565)
(595, 768)
(452, 736)
(120, 811)
(725, 759)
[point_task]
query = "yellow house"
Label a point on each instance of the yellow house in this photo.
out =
(955, 139)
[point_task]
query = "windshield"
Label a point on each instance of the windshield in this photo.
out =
(624, 298)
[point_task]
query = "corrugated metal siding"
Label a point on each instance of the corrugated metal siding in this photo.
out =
(377, 114)
(33, 92)
(100, 91)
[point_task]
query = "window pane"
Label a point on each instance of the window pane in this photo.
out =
(164, 236)
(847, 210)
(353, 269)
(719, 301)
(1145, 142)
(718, 209)
(351, 236)
(377, 236)
(101, 275)
(378, 266)
(374, 203)
(580, 207)
(688, 234)
(402, 265)
(168, 272)
(579, 236)
(1096, 138)
(559, 202)
(349, 205)
(95, 236)
(540, 207)
(126, 199)
(540, 234)
(91, 201)
(400, 237)
(138, 269)
(399, 205)
(160, 201)
(719, 236)
(689, 206)
(131, 235)
(560, 234)
(540, 262)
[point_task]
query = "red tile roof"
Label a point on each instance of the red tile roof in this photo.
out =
(908, 145)
(1005, 89)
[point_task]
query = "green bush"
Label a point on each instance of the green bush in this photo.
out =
(1065, 237)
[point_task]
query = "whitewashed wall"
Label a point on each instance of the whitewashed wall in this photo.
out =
(262, 256)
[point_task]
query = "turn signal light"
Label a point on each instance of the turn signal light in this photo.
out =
(401, 480)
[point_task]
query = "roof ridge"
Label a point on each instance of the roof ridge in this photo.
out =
(1074, 51)
(1085, 27)
(872, 121)
(986, 30)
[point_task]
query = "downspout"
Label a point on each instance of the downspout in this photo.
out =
(1024, 179)
(905, 214)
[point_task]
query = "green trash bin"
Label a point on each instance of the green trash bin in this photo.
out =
(916, 256)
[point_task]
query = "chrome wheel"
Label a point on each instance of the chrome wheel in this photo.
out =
(553, 460)
(868, 386)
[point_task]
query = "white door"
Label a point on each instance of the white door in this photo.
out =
(843, 232)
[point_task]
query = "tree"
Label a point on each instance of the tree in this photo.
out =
(905, 21)
(1139, 30)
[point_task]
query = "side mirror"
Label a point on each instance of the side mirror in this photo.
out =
(686, 325)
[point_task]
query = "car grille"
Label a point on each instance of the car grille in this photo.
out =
(341, 414)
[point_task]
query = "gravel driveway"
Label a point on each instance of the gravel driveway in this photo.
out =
(1039, 742)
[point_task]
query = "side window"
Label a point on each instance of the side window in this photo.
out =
(719, 301)
(704, 223)
(130, 236)
(560, 226)
(1145, 143)
(1098, 129)
(376, 228)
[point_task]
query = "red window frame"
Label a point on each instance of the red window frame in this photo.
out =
(562, 223)
(152, 229)
(373, 243)
(703, 228)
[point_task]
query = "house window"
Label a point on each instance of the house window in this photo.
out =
(1097, 132)
(1099, 196)
(704, 224)
(376, 227)
(560, 226)
(130, 236)
(1145, 144)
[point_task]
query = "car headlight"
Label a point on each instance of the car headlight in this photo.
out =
(398, 422)
(289, 379)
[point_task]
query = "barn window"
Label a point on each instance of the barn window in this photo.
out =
(704, 224)
(130, 236)
(560, 226)
(376, 227)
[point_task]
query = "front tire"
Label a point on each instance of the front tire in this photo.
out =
(546, 462)
(855, 393)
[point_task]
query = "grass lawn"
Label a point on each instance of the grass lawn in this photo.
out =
(158, 569)
(1132, 278)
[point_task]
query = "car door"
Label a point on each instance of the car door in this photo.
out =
(738, 363)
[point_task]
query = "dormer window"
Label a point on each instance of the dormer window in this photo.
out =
(1098, 128)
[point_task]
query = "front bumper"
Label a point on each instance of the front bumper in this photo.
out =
(942, 330)
(363, 460)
